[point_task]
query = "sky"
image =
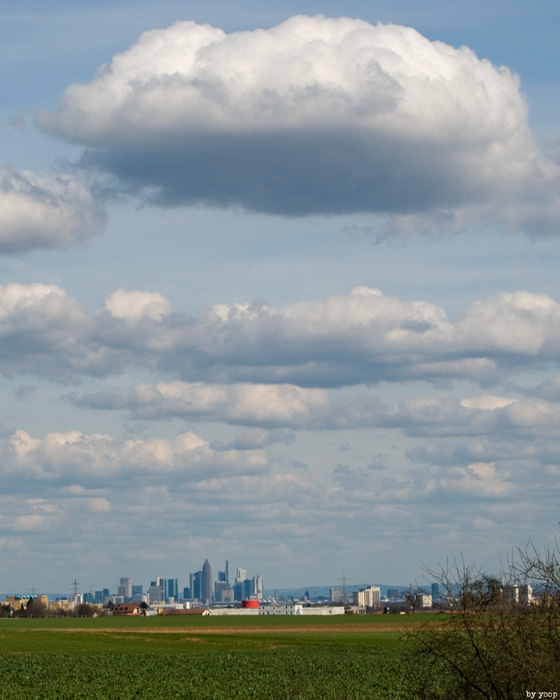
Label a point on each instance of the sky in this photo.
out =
(278, 284)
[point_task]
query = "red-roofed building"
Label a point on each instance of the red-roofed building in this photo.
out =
(127, 609)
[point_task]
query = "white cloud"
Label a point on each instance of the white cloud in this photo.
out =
(75, 458)
(479, 479)
(262, 404)
(316, 115)
(40, 515)
(56, 211)
(289, 406)
(136, 305)
(364, 337)
(99, 505)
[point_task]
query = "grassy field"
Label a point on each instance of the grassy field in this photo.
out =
(299, 658)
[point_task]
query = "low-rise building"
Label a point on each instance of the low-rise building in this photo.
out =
(324, 610)
(127, 609)
(355, 610)
(183, 611)
(288, 609)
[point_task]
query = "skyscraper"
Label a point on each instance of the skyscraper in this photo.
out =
(125, 588)
(257, 587)
(196, 585)
(206, 592)
(172, 590)
(223, 576)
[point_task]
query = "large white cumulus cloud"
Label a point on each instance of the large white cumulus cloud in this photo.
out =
(315, 115)
(44, 211)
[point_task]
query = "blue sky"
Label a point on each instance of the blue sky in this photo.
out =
(279, 284)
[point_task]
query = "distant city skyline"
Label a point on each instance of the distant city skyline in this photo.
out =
(243, 586)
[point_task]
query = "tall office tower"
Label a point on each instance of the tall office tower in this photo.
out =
(157, 590)
(242, 587)
(162, 584)
(125, 588)
(172, 592)
(257, 587)
(196, 585)
(220, 587)
(206, 596)
(223, 576)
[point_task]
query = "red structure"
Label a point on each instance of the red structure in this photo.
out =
(249, 603)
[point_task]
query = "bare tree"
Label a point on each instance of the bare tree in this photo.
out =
(412, 595)
(500, 638)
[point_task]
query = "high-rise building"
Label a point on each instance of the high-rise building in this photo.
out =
(240, 589)
(196, 585)
(172, 590)
(102, 596)
(125, 588)
(336, 595)
(156, 592)
(206, 592)
(257, 587)
(223, 576)
(220, 587)
(369, 597)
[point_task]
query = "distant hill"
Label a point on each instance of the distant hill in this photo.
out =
(324, 591)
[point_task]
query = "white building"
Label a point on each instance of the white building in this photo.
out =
(289, 609)
(324, 610)
(423, 600)
(369, 597)
(336, 595)
(257, 588)
(518, 594)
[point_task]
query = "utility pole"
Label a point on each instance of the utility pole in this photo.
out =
(344, 580)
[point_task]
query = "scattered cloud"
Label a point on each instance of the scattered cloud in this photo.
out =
(277, 432)
(54, 211)
(288, 406)
(75, 459)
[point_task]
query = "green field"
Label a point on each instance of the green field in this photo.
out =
(287, 658)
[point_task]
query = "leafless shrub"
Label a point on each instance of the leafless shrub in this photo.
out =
(500, 636)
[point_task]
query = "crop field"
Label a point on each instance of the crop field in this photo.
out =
(204, 658)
